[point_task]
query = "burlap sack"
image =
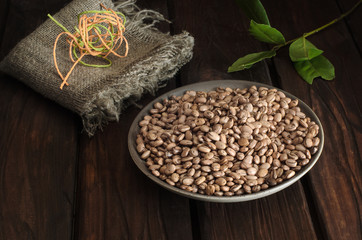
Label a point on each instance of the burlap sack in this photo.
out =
(98, 95)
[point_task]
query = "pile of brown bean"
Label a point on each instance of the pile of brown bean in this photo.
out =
(227, 142)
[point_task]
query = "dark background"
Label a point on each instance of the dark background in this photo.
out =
(57, 183)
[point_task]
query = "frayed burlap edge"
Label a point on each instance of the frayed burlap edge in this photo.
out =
(108, 103)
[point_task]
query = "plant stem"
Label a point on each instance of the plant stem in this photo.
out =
(305, 35)
(60, 25)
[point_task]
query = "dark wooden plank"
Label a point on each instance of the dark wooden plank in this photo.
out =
(353, 21)
(220, 39)
(220, 31)
(115, 200)
(335, 182)
(284, 215)
(22, 17)
(3, 17)
(38, 145)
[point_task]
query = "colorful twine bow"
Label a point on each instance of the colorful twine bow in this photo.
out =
(98, 35)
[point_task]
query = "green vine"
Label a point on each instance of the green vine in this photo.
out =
(307, 58)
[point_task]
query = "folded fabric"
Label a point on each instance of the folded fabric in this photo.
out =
(99, 95)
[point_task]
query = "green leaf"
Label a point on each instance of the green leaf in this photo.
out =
(318, 66)
(301, 50)
(266, 33)
(254, 10)
(250, 59)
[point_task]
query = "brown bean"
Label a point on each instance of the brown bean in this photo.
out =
(186, 142)
(170, 168)
(187, 181)
(204, 149)
(262, 172)
(200, 180)
(210, 189)
(175, 177)
(146, 154)
(220, 145)
(220, 181)
(251, 171)
(289, 174)
(213, 136)
(291, 163)
(243, 142)
(141, 147)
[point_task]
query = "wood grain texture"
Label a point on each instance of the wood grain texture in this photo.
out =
(115, 199)
(284, 215)
(220, 40)
(353, 21)
(23, 17)
(335, 182)
(37, 165)
(38, 145)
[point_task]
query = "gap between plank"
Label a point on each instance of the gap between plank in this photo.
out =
(348, 27)
(171, 17)
(75, 210)
(273, 74)
(319, 230)
(4, 18)
(195, 224)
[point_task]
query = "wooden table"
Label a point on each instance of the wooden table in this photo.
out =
(57, 183)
